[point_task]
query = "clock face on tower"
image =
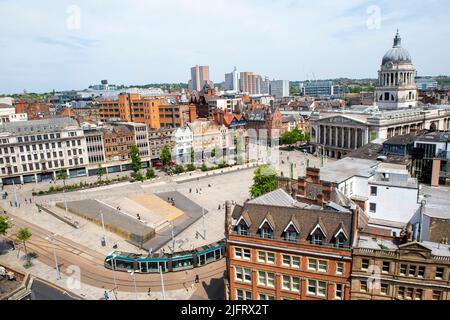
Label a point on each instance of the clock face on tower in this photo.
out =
(389, 65)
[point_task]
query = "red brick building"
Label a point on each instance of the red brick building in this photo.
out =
(282, 249)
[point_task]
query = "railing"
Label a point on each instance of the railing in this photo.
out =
(391, 253)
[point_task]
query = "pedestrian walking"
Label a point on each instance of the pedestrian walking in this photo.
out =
(197, 278)
(106, 295)
(190, 190)
(149, 291)
(219, 207)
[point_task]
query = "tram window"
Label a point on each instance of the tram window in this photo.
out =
(218, 254)
(108, 263)
(143, 266)
(210, 256)
(182, 263)
(201, 260)
(124, 264)
(163, 266)
(153, 266)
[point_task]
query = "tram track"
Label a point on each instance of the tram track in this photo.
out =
(92, 270)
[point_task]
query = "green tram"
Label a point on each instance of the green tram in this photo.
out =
(170, 262)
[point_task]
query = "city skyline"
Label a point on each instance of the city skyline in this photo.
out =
(74, 45)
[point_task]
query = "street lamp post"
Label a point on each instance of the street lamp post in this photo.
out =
(162, 282)
(204, 226)
(51, 237)
(134, 281)
(173, 237)
(103, 242)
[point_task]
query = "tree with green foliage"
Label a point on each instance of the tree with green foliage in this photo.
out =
(136, 162)
(264, 181)
(100, 172)
(239, 149)
(216, 152)
(178, 169)
(292, 137)
(62, 175)
(307, 137)
(4, 225)
(204, 167)
(150, 174)
(190, 167)
(24, 235)
(166, 156)
(192, 156)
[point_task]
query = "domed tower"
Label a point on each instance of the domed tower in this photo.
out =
(396, 79)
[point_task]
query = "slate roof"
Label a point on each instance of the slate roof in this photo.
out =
(304, 219)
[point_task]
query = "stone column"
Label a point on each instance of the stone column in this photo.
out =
(356, 138)
(349, 138)
(336, 142)
(367, 140)
(318, 134)
(330, 132)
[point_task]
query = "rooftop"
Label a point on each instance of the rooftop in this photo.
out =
(346, 168)
(437, 249)
(437, 136)
(38, 126)
(279, 198)
(437, 201)
(401, 140)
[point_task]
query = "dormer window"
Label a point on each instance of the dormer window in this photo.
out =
(241, 227)
(317, 236)
(266, 230)
(340, 239)
(291, 233)
(317, 239)
(291, 236)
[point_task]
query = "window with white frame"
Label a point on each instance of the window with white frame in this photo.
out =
(312, 264)
(241, 253)
(339, 292)
(266, 279)
(317, 265)
(340, 268)
(266, 257)
(243, 274)
(263, 296)
(317, 288)
(291, 261)
(243, 294)
(291, 283)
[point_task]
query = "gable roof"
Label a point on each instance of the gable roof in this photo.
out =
(305, 220)
(269, 220)
(341, 229)
(319, 226)
(293, 223)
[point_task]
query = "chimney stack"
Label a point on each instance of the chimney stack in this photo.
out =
(229, 207)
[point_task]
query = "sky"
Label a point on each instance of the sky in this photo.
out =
(61, 45)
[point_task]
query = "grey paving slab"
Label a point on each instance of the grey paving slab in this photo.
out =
(192, 213)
